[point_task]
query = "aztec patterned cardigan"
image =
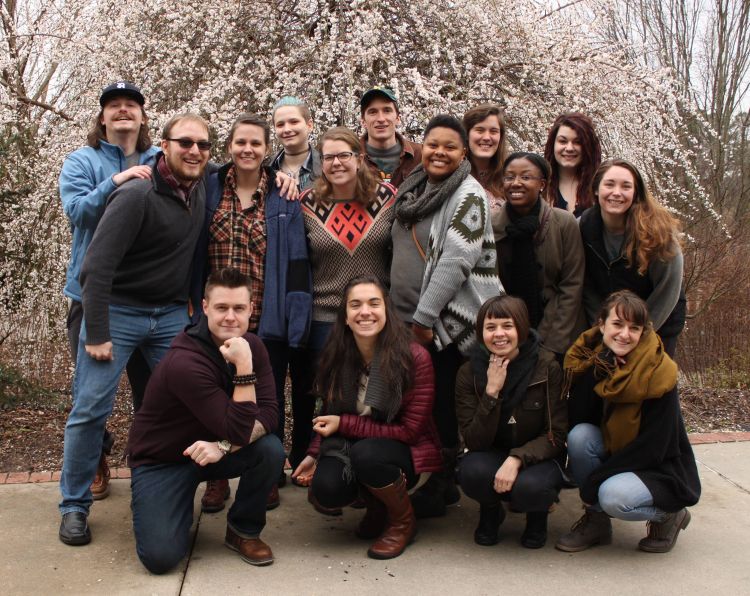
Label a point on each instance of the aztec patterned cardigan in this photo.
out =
(460, 269)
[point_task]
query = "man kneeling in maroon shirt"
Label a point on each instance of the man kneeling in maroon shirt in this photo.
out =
(209, 412)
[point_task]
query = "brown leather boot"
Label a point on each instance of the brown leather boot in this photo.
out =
(663, 535)
(100, 485)
(594, 527)
(273, 500)
(401, 526)
(373, 523)
(217, 491)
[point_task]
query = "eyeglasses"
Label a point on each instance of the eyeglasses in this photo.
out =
(343, 157)
(188, 144)
(523, 177)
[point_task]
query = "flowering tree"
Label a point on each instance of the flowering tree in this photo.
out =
(223, 57)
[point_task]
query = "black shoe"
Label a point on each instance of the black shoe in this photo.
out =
(427, 503)
(535, 533)
(490, 518)
(108, 442)
(282, 479)
(74, 530)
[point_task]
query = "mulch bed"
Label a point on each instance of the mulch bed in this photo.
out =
(31, 435)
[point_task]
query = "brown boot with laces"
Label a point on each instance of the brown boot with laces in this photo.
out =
(662, 536)
(100, 485)
(217, 491)
(593, 528)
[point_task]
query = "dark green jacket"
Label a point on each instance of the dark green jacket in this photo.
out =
(541, 418)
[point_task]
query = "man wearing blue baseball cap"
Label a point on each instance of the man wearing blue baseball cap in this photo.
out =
(118, 149)
(387, 153)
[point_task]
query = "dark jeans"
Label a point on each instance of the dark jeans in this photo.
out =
(535, 488)
(163, 494)
(301, 365)
(446, 364)
(375, 462)
(137, 368)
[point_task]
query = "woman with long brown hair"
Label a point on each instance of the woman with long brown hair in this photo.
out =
(375, 435)
(632, 242)
(485, 126)
(574, 152)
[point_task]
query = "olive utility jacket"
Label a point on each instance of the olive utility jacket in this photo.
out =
(541, 418)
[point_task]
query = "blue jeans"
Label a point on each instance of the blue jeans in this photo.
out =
(623, 496)
(163, 494)
(94, 386)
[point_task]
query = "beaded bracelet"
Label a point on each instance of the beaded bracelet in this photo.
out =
(250, 379)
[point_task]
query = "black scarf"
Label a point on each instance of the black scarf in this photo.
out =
(523, 270)
(414, 203)
(384, 401)
(520, 371)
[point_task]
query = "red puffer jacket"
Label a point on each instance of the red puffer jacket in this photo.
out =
(413, 425)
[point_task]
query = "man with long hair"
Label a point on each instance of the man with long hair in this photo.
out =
(135, 280)
(118, 149)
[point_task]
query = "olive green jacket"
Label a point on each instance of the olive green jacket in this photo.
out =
(539, 422)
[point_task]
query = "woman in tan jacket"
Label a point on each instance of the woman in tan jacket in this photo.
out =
(513, 421)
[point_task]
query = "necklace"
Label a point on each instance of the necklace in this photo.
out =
(294, 154)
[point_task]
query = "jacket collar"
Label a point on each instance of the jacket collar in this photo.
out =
(312, 163)
(407, 147)
(163, 187)
(591, 225)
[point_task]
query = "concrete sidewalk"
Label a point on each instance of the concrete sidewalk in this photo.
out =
(320, 555)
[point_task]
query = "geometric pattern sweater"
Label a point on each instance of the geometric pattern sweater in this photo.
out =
(460, 268)
(346, 239)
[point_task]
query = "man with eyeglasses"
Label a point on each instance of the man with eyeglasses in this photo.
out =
(134, 284)
(118, 149)
(388, 154)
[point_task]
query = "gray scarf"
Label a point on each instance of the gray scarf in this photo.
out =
(414, 202)
(385, 402)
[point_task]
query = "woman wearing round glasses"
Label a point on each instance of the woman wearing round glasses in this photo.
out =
(249, 226)
(348, 216)
(574, 150)
(539, 251)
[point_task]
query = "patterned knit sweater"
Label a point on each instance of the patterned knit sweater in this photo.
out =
(346, 239)
(460, 269)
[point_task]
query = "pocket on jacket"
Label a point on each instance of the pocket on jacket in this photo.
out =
(532, 404)
(220, 229)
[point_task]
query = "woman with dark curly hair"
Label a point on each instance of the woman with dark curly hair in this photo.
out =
(375, 435)
(574, 151)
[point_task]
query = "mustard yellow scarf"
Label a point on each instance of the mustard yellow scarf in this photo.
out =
(648, 373)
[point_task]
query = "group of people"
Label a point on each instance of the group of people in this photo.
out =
(443, 311)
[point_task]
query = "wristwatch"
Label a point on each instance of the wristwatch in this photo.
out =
(224, 445)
